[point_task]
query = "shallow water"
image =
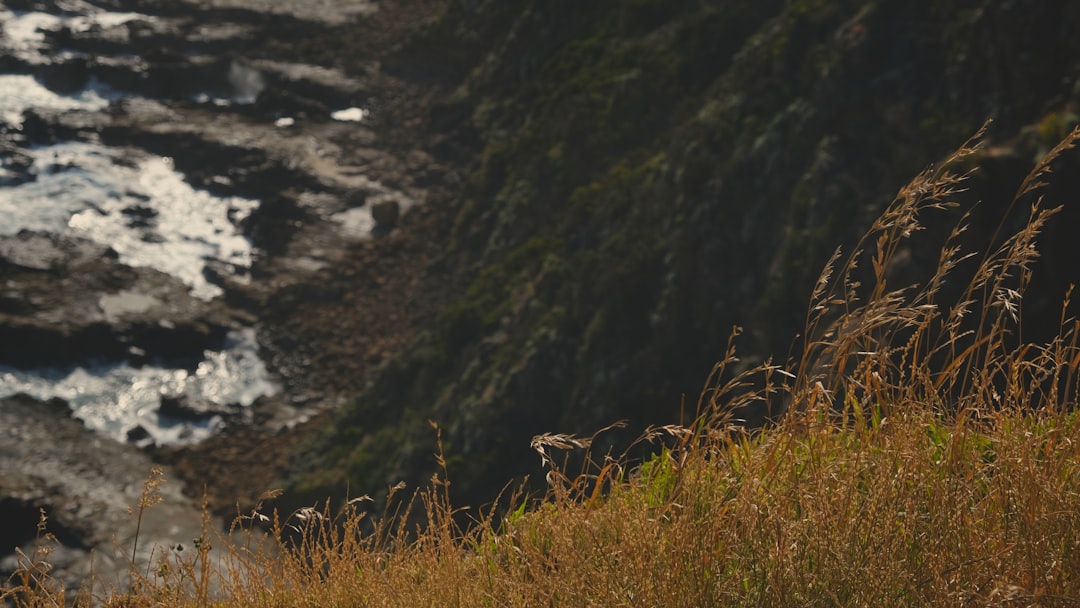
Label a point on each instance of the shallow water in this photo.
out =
(19, 92)
(114, 399)
(135, 203)
(138, 204)
(84, 191)
(23, 31)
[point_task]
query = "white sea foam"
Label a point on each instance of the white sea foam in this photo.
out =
(84, 189)
(114, 399)
(350, 114)
(103, 19)
(19, 92)
(24, 31)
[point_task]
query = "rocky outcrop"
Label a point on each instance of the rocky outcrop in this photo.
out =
(66, 300)
(187, 409)
(85, 485)
(385, 213)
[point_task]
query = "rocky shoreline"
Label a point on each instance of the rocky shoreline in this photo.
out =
(85, 484)
(344, 275)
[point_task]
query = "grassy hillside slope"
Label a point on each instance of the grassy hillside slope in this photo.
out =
(929, 458)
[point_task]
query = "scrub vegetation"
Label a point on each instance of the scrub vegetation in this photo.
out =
(922, 452)
(641, 176)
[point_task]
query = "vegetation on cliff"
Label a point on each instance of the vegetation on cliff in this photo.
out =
(650, 174)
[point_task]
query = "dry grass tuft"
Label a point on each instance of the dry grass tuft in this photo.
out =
(928, 456)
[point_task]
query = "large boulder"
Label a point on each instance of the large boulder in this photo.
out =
(386, 212)
(185, 408)
(85, 484)
(65, 76)
(66, 300)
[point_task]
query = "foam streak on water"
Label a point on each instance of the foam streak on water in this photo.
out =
(146, 212)
(114, 399)
(23, 31)
(19, 92)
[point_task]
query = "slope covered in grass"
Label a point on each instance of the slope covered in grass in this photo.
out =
(929, 456)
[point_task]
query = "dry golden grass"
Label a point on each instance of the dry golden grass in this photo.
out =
(927, 457)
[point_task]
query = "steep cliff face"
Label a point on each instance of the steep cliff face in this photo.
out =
(647, 174)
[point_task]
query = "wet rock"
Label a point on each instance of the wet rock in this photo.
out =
(65, 77)
(271, 227)
(85, 484)
(12, 303)
(385, 213)
(356, 198)
(217, 272)
(41, 251)
(20, 519)
(184, 408)
(49, 126)
(37, 128)
(140, 29)
(67, 300)
(283, 101)
(304, 90)
(140, 216)
(16, 166)
(139, 435)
